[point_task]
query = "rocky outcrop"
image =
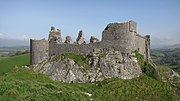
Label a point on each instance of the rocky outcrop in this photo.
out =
(96, 66)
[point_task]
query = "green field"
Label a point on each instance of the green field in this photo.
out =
(8, 63)
(25, 85)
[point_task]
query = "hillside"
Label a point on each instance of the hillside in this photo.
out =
(8, 63)
(167, 57)
(9, 51)
(24, 84)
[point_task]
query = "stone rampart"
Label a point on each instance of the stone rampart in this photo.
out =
(121, 37)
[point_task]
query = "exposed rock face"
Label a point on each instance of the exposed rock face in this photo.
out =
(93, 39)
(55, 35)
(80, 39)
(68, 40)
(100, 64)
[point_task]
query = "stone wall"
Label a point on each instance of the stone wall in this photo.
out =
(140, 44)
(117, 36)
(38, 50)
(121, 37)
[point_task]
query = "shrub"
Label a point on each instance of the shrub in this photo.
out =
(146, 66)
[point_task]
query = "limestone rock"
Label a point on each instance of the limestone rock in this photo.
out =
(101, 64)
(93, 39)
(80, 39)
(68, 40)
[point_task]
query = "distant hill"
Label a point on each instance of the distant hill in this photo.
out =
(6, 51)
(5, 42)
(167, 56)
(167, 47)
(172, 46)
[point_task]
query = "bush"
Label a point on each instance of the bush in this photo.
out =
(146, 66)
(22, 52)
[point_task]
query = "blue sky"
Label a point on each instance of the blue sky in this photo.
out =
(24, 19)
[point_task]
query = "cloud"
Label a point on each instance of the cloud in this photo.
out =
(22, 40)
(165, 40)
(2, 35)
(22, 37)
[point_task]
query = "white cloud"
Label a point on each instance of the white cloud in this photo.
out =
(2, 35)
(22, 37)
(165, 40)
(21, 40)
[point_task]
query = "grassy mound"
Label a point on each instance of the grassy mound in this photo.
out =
(8, 63)
(23, 84)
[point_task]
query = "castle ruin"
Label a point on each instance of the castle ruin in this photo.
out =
(122, 37)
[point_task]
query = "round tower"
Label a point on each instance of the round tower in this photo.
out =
(38, 50)
(121, 36)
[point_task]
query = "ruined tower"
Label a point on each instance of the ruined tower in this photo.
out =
(39, 50)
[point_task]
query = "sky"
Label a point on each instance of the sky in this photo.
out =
(21, 20)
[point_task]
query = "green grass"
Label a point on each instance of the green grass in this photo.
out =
(167, 57)
(146, 66)
(8, 63)
(24, 85)
(79, 59)
(21, 84)
(163, 69)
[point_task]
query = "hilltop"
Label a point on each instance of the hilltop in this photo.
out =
(24, 84)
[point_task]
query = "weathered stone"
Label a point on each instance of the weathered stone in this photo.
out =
(68, 40)
(55, 35)
(105, 64)
(80, 39)
(93, 39)
(119, 36)
(111, 57)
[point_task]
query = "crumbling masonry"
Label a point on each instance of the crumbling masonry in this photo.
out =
(122, 37)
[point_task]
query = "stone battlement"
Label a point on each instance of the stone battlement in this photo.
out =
(122, 37)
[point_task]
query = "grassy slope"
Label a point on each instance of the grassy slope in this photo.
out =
(8, 63)
(22, 84)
